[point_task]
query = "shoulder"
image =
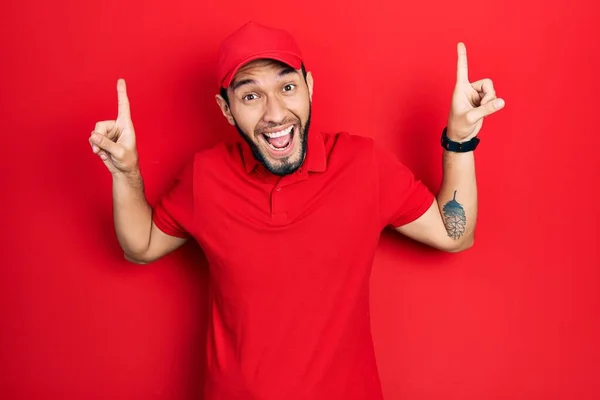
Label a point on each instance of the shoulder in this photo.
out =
(219, 153)
(350, 145)
(353, 149)
(358, 144)
(191, 165)
(216, 163)
(213, 152)
(347, 139)
(350, 148)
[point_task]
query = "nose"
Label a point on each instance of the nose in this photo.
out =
(274, 110)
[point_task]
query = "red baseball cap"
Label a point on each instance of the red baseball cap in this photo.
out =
(254, 41)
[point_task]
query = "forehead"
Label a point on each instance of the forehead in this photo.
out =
(260, 67)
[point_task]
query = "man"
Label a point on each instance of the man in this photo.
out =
(289, 219)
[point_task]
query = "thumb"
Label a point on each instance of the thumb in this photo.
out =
(107, 145)
(484, 110)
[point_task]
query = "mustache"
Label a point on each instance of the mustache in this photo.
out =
(274, 125)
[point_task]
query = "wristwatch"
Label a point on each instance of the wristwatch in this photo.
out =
(458, 147)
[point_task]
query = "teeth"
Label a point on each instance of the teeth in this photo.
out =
(284, 132)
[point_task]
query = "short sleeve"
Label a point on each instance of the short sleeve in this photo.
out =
(174, 212)
(402, 197)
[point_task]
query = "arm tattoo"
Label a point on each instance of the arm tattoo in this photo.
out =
(455, 219)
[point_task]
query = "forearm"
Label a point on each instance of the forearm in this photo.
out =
(457, 197)
(132, 214)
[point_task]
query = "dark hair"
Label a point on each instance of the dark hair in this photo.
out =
(223, 91)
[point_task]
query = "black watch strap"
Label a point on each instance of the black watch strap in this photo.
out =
(458, 147)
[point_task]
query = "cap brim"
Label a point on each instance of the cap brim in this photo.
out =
(290, 59)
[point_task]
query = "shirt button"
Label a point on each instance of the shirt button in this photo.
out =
(278, 189)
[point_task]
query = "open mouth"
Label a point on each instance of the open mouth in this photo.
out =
(281, 141)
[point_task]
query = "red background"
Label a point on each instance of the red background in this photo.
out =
(515, 317)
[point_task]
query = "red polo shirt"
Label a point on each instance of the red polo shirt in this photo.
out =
(290, 260)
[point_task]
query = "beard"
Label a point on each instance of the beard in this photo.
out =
(283, 167)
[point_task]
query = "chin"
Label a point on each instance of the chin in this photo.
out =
(274, 151)
(282, 151)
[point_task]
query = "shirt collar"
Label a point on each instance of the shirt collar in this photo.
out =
(315, 160)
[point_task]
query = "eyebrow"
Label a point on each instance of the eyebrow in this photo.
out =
(243, 82)
(287, 71)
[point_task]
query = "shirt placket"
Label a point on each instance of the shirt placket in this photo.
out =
(280, 201)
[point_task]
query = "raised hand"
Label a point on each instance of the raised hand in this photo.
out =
(471, 102)
(114, 141)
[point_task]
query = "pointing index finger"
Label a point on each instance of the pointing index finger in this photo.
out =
(462, 69)
(123, 100)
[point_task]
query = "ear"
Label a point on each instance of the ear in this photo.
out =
(225, 109)
(310, 82)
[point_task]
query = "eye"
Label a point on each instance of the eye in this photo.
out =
(250, 97)
(289, 87)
